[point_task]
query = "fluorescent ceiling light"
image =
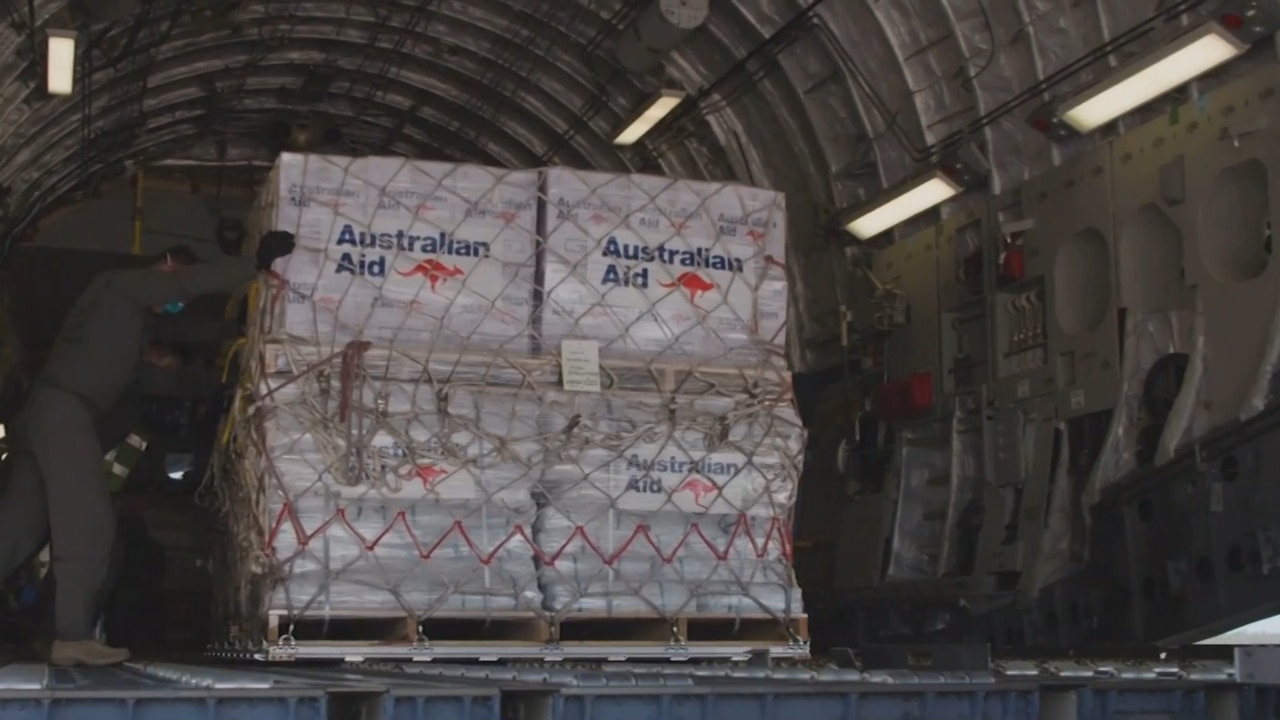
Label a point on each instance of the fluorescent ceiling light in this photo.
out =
(928, 192)
(1133, 85)
(60, 63)
(657, 108)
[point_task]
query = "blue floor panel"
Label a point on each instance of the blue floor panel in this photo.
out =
(1170, 704)
(414, 692)
(816, 705)
(401, 707)
(194, 708)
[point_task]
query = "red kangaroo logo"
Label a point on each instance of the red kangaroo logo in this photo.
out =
(692, 283)
(756, 235)
(423, 209)
(428, 474)
(679, 225)
(598, 218)
(702, 490)
(433, 270)
(505, 216)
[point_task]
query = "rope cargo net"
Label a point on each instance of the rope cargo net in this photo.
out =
(407, 437)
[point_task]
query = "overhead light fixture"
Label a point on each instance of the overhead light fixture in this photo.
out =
(648, 116)
(1137, 83)
(925, 193)
(60, 63)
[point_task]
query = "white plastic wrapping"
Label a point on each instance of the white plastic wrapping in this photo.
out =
(1147, 338)
(675, 508)
(968, 472)
(1188, 420)
(442, 468)
(940, 472)
(431, 500)
(1056, 559)
(653, 267)
(428, 255)
(414, 254)
(923, 466)
(416, 502)
(1263, 390)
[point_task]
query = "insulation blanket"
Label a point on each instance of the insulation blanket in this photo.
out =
(651, 266)
(406, 253)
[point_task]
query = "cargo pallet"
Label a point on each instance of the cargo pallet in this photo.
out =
(458, 636)
(167, 691)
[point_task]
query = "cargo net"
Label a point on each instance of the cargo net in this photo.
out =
(408, 437)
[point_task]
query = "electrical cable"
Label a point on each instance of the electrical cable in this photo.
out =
(676, 126)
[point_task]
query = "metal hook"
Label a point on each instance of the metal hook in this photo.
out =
(1035, 317)
(287, 639)
(676, 640)
(573, 424)
(1015, 317)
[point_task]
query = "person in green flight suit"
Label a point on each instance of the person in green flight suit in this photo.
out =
(56, 487)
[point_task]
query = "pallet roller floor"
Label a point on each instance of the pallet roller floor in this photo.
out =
(174, 691)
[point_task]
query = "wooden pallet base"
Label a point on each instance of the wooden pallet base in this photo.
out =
(396, 629)
(518, 628)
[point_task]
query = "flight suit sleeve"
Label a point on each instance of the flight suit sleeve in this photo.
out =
(150, 287)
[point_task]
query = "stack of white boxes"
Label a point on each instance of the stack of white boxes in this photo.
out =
(525, 496)
(413, 500)
(652, 267)
(413, 254)
(664, 500)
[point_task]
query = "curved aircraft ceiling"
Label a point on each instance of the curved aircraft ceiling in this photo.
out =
(828, 100)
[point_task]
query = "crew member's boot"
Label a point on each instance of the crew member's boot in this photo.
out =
(85, 652)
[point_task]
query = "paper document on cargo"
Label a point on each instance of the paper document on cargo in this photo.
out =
(408, 254)
(653, 267)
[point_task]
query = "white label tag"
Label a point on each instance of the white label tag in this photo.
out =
(1077, 399)
(580, 365)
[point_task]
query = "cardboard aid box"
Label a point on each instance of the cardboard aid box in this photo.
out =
(405, 253)
(651, 266)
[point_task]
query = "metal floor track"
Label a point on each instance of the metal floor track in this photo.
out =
(1077, 690)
